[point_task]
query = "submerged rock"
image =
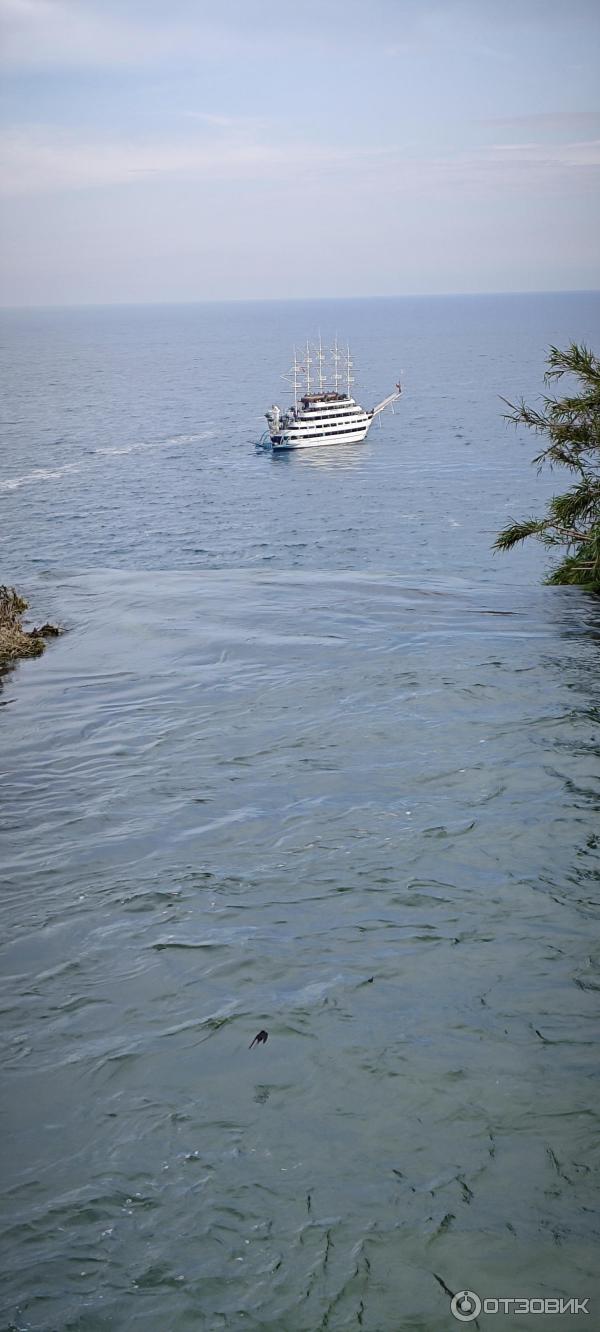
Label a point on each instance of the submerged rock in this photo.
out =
(15, 641)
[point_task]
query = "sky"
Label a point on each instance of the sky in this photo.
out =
(181, 150)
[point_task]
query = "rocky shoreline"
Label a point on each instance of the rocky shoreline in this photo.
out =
(17, 642)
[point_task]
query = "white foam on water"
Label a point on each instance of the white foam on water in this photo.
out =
(190, 439)
(116, 452)
(39, 474)
(110, 451)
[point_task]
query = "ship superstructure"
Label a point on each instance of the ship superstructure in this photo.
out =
(322, 412)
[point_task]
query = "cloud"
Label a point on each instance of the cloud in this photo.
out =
(61, 33)
(47, 32)
(552, 119)
(549, 124)
(80, 34)
(51, 159)
(581, 153)
(41, 161)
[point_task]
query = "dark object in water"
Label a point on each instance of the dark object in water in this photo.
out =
(370, 980)
(46, 631)
(261, 1038)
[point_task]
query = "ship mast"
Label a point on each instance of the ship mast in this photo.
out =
(292, 377)
(308, 365)
(295, 373)
(349, 365)
(335, 357)
(320, 354)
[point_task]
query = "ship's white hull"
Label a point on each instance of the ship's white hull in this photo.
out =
(323, 419)
(296, 440)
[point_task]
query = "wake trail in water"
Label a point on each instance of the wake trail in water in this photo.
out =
(39, 474)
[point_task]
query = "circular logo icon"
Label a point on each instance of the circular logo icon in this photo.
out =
(466, 1305)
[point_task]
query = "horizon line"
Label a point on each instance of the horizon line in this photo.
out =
(288, 300)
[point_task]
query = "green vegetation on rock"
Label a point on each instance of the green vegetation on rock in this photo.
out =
(571, 425)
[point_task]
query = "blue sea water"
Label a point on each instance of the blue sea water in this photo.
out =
(310, 758)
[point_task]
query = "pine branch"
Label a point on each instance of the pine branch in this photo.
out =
(510, 536)
(571, 426)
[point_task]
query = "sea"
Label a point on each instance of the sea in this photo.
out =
(310, 759)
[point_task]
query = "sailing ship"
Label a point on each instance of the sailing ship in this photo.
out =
(322, 413)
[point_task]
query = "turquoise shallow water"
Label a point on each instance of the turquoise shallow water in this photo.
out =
(350, 798)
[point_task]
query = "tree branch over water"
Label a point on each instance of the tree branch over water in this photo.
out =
(572, 427)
